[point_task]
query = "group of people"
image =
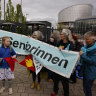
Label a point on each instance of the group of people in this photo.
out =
(64, 41)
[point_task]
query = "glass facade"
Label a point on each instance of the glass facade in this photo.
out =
(84, 25)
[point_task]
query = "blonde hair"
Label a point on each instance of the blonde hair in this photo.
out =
(68, 34)
(90, 34)
(39, 34)
(3, 40)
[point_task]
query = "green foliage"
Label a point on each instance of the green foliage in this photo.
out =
(24, 24)
(18, 29)
(10, 12)
(16, 16)
(18, 13)
(19, 17)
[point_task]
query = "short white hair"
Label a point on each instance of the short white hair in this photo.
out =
(39, 34)
(91, 35)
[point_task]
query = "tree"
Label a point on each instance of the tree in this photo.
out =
(19, 17)
(18, 13)
(16, 16)
(24, 25)
(10, 14)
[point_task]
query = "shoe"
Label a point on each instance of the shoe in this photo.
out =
(10, 91)
(50, 80)
(53, 94)
(33, 85)
(2, 90)
(72, 82)
(38, 87)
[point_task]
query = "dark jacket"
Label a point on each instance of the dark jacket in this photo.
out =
(65, 45)
(52, 43)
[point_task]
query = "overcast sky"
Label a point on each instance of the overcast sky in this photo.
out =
(46, 9)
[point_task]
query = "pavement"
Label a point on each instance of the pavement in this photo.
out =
(21, 85)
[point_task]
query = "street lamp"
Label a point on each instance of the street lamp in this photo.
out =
(21, 3)
(4, 10)
(26, 16)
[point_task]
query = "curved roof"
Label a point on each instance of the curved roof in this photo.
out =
(74, 6)
(73, 13)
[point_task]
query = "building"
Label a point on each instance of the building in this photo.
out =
(43, 26)
(28, 28)
(69, 15)
(11, 26)
(83, 25)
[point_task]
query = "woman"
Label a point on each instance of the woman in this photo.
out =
(64, 44)
(37, 35)
(53, 40)
(88, 59)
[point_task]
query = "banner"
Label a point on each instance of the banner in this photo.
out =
(11, 61)
(28, 62)
(61, 62)
(38, 65)
(32, 64)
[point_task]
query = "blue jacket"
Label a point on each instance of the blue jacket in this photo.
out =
(5, 52)
(89, 62)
